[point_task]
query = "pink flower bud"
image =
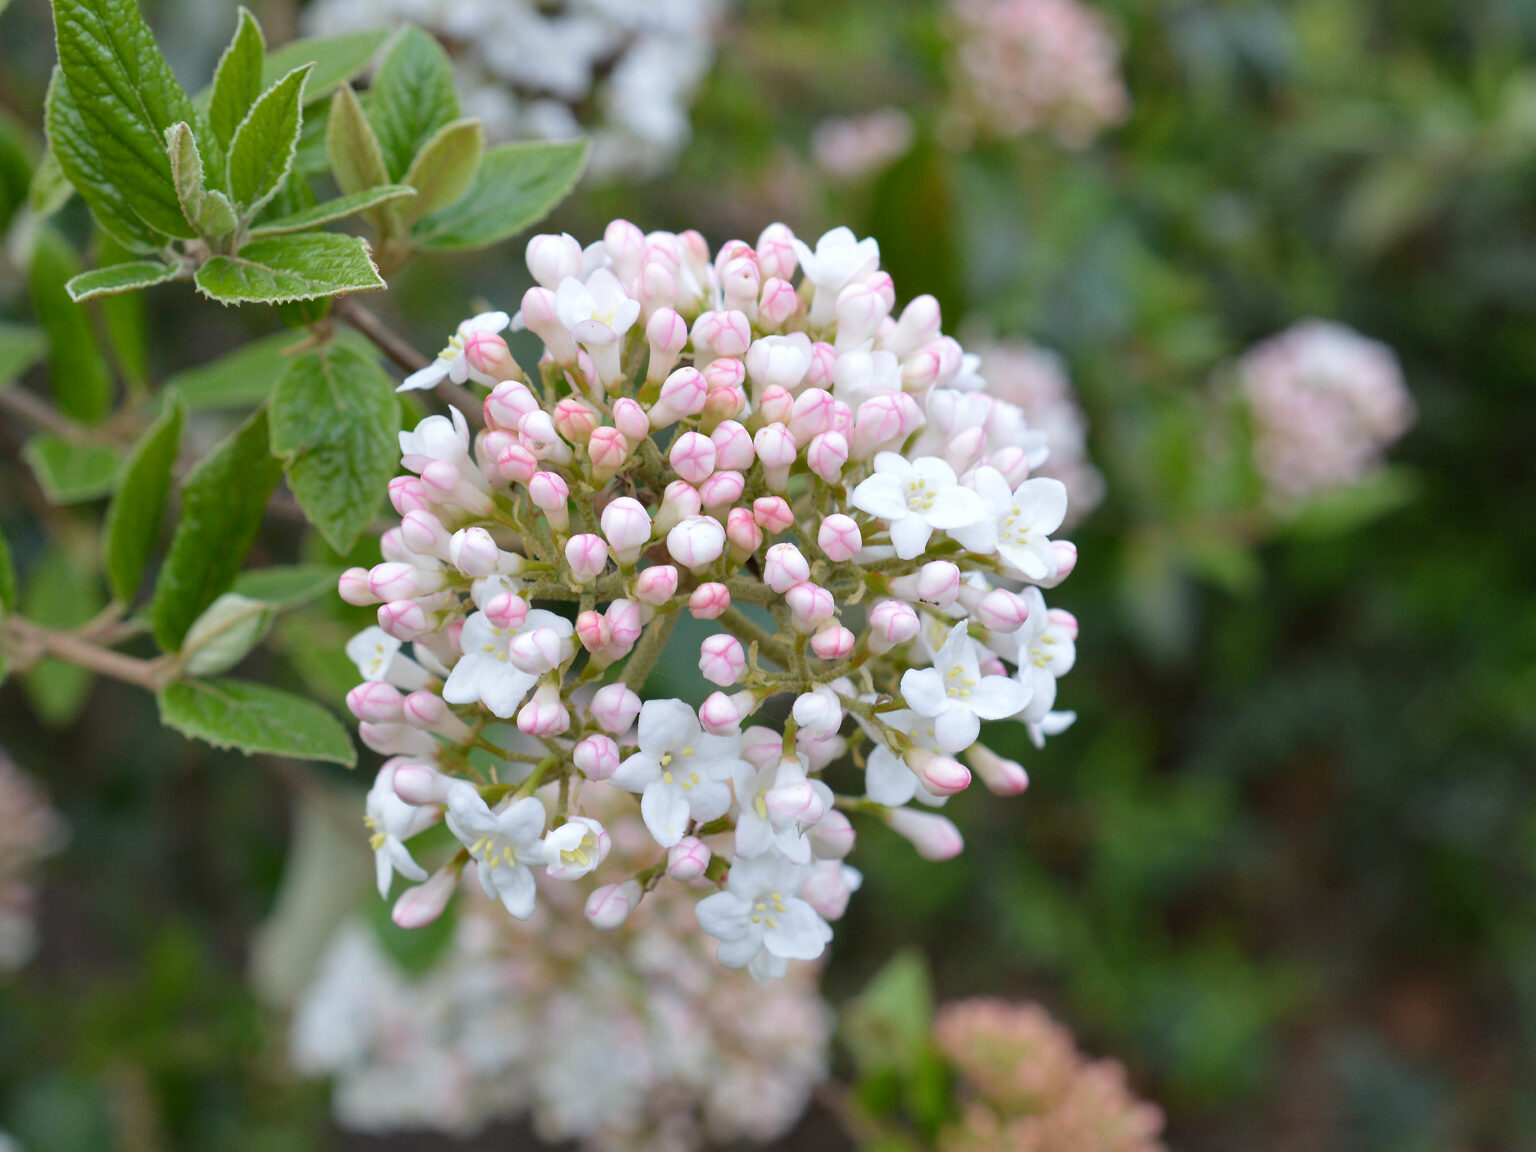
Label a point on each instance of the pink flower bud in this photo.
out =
(473, 552)
(507, 404)
(404, 619)
(733, 446)
(833, 836)
(811, 414)
(693, 456)
(761, 746)
(722, 404)
(506, 610)
(667, 334)
(392, 548)
(1066, 560)
(353, 588)
(625, 245)
(424, 534)
(1012, 462)
(740, 281)
(420, 784)
(891, 623)
(724, 372)
(627, 526)
(596, 757)
(776, 251)
(687, 859)
(406, 494)
(658, 290)
(609, 906)
(966, 449)
(428, 710)
(587, 555)
(839, 538)
(709, 601)
(934, 837)
(376, 702)
(538, 650)
(919, 325)
(517, 464)
(776, 406)
(537, 432)
(682, 395)
(772, 514)
(743, 533)
(489, 356)
(1002, 777)
(540, 318)
(574, 420)
(544, 714)
(1002, 611)
(798, 801)
(809, 604)
(607, 449)
(823, 368)
(776, 449)
(549, 493)
(721, 715)
(614, 708)
(423, 903)
(832, 641)
(696, 542)
(826, 456)
(624, 625)
(656, 585)
(1063, 620)
(398, 581)
(941, 775)
(630, 419)
(679, 500)
(818, 712)
(859, 310)
(593, 631)
(722, 490)
(722, 660)
(776, 304)
(552, 258)
(936, 583)
(829, 887)
(723, 333)
(784, 567)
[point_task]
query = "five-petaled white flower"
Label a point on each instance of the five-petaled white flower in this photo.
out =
(390, 822)
(680, 771)
(597, 312)
(505, 845)
(452, 363)
(840, 258)
(1019, 523)
(486, 672)
(956, 696)
(760, 920)
(915, 497)
(1047, 649)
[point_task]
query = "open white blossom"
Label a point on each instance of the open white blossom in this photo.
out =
(504, 845)
(681, 771)
(760, 920)
(453, 362)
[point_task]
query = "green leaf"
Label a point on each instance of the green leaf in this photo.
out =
(71, 473)
(209, 212)
(262, 151)
(123, 322)
(20, 348)
(353, 149)
(444, 168)
(50, 189)
(281, 268)
(411, 98)
(18, 157)
(517, 186)
(237, 80)
(77, 371)
(255, 718)
(225, 634)
(133, 517)
(287, 586)
(7, 578)
(62, 592)
(81, 170)
(336, 59)
(244, 377)
(124, 96)
(223, 503)
(1351, 508)
(334, 423)
(337, 209)
(117, 278)
(888, 1025)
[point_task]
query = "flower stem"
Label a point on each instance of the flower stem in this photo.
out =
(649, 650)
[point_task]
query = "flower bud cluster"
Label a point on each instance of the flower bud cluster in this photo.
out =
(757, 438)
(30, 831)
(1326, 402)
(1024, 66)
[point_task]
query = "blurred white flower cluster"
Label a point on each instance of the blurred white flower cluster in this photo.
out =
(1022, 66)
(757, 439)
(621, 71)
(635, 1040)
(1326, 402)
(30, 831)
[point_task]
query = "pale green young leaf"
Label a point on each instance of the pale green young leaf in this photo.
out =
(20, 348)
(62, 592)
(288, 586)
(254, 718)
(444, 168)
(237, 79)
(209, 212)
(77, 370)
(126, 277)
(331, 210)
(262, 151)
(411, 97)
(71, 473)
(336, 59)
(223, 503)
(517, 185)
(334, 424)
(225, 634)
(277, 269)
(124, 97)
(133, 517)
(356, 159)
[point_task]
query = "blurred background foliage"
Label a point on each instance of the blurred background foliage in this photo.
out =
(1283, 865)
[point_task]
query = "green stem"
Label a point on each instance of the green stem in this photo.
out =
(649, 650)
(744, 628)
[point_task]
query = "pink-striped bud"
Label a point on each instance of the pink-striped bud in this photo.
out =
(776, 448)
(541, 318)
(1064, 621)
(658, 289)
(549, 493)
(596, 757)
(423, 903)
(406, 494)
(630, 419)
(609, 906)
(1066, 560)
(693, 456)
(683, 394)
(797, 800)
(809, 604)
(627, 525)
(625, 245)
(827, 455)
(733, 446)
(723, 333)
(859, 311)
(404, 619)
(928, 366)
(818, 712)
(941, 775)
(473, 552)
(919, 325)
(614, 708)
(811, 414)
(776, 406)
(761, 746)
(398, 581)
(376, 702)
(966, 449)
(891, 622)
(537, 432)
(489, 356)
(722, 404)
(829, 887)
(353, 588)
(884, 422)
(420, 784)
(839, 537)
(936, 583)
(552, 258)
(1012, 462)
(778, 362)
(593, 631)
(721, 715)
(709, 601)
(777, 302)
(506, 610)
(574, 420)
(607, 449)
(516, 464)
(656, 585)
(679, 500)
(1003, 777)
(722, 660)
(423, 533)
(822, 371)
(539, 650)
(424, 709)
(725, 372)
(1002, 611)
(743, 533)
(740, 281)
(934, 837)
(587, 555)
(833, 836)
(832, 641)
(624, 625)
(667, 334)
(696, 542)
(784, 567)
(687, 859)
(544, 714)
(775, 249)
(772, 514)
(722, 490)
(507, 404)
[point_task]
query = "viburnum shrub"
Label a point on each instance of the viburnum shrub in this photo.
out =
(757, 439)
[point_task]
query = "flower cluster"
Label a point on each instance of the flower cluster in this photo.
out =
(30, 831)
(757, 440)
(1024, 66)
(1326, 402)
(636, 1040)
(856, 148)
(1024, 1087)
(623, 72)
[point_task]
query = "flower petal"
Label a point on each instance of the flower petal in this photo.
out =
(664, 808)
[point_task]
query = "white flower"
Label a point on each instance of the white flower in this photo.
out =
(776, 805)
(597, 312)
(956, 696)
(680, 771)
(438, 438)
(505, 845)
(391, 821)
(915, 497)
(1018, 524)
(574, 849)
(377, 656)
(452, 362)
(840, 259)
(887, 779)
(1047, 649)
(760, 920)
(486, 672)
